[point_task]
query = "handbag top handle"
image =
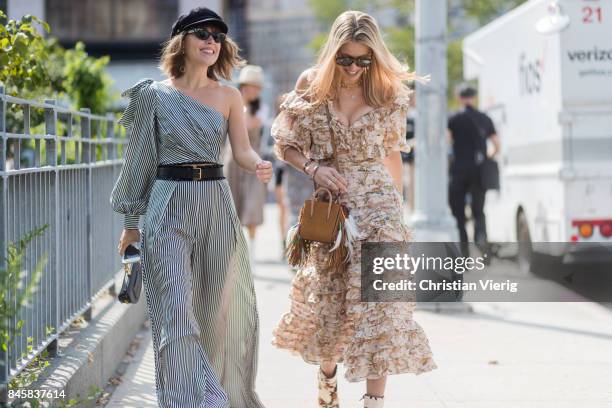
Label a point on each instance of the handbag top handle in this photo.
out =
(314, 198)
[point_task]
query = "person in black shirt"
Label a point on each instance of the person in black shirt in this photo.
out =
(469, 130)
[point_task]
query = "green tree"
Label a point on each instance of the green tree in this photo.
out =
(454, 60)
(32, 66)
(23, 55)
(400, 39)
(326, 11)
(86, 82)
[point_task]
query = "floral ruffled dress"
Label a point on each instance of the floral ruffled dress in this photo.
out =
(327, 320)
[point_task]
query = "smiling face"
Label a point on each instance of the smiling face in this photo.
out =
(356, 50)
(202, 52)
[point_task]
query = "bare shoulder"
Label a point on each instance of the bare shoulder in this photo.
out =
(230, 92)
(231, 96)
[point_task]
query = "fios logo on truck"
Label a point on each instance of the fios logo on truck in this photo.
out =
(530, 75)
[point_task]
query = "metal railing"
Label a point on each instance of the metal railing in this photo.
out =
(69, 190)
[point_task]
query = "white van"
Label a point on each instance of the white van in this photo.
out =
(544, 74)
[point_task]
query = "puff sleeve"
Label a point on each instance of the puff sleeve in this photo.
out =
(288, 128)
(130, 195)
(395, 128)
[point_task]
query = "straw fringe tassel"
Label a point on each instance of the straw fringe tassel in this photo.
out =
(342, 250)
(339, 253)
(296, 247)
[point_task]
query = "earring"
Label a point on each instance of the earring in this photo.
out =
(182, 69)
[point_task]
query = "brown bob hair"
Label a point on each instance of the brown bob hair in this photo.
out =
(172, 60)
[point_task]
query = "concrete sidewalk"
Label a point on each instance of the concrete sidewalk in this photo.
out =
(501, 355)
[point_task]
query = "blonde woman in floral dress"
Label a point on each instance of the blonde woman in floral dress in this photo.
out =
(361, 83)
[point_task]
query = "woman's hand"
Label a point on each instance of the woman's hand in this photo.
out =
(263, 170)
(330, 178)
(128, 236)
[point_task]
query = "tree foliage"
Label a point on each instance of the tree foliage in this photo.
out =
(400, 39)
(326, 11)
(32, 66)
(454, 61)
(85, 81)
(23, 55)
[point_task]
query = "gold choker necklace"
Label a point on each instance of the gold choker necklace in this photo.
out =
(351, 85)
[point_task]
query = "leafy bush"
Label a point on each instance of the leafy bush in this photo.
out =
(32, 66)
(85, 82)
(23, 56)
(14, 294)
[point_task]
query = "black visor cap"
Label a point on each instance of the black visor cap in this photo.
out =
(196, 17)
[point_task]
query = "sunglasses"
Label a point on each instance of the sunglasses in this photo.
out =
(204, 34)
(347, 61)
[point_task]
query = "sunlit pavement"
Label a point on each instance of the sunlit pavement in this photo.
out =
(514, 355)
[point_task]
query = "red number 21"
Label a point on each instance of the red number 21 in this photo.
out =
(589, 13)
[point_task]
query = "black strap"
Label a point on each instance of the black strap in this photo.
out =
(481, 138)
(479, 129)
(194, 173)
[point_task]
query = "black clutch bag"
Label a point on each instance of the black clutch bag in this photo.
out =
(489, 174)
(488, 170)
(132, 279)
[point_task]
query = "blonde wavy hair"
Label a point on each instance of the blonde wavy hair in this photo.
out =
(172, 59)
(382, 81)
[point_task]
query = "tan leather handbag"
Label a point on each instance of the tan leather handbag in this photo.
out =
(322, 222)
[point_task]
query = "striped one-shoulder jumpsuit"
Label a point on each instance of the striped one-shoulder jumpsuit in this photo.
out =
(196, 275)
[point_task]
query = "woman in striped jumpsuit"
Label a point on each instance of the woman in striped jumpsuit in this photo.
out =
(197, 278)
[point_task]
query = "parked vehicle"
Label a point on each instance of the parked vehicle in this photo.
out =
(544, 74)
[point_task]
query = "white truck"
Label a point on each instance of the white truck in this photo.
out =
(544, 73)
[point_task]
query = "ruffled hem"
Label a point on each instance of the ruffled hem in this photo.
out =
(328, 321)
(298, 337)
(390, 342)
(316, 326)
(393, 350)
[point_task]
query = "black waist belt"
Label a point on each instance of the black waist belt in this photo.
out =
(193, 172)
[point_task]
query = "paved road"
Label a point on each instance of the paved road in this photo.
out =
(496, 355)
